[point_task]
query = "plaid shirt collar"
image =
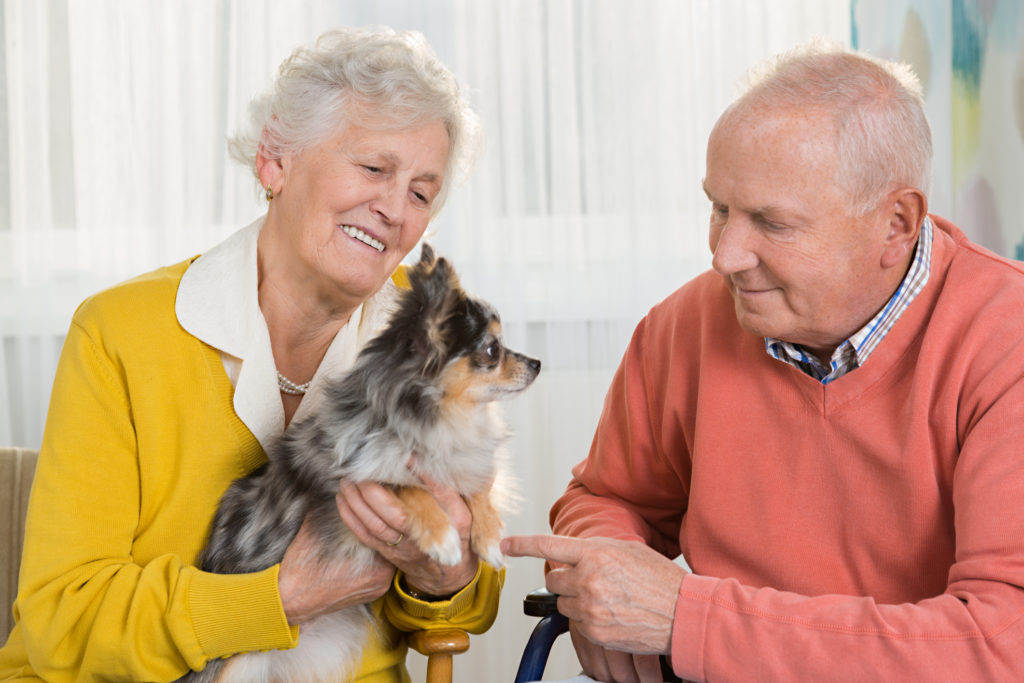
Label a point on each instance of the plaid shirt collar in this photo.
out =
(854, 352)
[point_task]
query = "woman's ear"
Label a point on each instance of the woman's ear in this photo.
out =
(269, 169)
(905, 211)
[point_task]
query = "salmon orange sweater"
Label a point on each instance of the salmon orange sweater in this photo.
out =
(869, 529)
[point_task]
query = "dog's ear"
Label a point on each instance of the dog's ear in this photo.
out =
(427, 257)
(424, 268)
(433, 278)
(438, 294)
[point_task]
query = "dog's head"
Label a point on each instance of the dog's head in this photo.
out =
(454, 339)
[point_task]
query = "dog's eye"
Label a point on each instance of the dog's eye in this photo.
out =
(488, 354)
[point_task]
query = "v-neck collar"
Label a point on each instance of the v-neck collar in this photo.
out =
(899, 341)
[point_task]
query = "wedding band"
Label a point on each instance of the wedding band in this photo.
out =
(400, 537)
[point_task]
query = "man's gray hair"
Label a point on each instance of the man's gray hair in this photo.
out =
(882, 134)
(377, 78)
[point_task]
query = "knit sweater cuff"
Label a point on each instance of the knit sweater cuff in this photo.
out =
(689, 626)
(445, 609)
(234, 613)
(472, 609)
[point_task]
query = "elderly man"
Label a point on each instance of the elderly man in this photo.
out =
(829, 427)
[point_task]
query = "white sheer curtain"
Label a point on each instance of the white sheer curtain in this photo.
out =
(584, 210)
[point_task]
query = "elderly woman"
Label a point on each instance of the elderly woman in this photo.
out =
(172, 385)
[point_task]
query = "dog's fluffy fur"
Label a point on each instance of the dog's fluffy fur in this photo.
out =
(424, 387)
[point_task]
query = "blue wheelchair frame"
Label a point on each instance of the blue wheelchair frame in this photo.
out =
(543, 604)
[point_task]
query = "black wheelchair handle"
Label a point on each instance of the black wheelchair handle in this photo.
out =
(540, 603)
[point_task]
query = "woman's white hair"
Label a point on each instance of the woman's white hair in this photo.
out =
(883, 138)
(373, 77)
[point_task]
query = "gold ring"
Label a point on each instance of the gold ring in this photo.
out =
(400, 537)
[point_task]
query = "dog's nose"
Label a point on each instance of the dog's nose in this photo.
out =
(534, 365)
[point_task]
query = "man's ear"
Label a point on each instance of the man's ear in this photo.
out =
(905, 210)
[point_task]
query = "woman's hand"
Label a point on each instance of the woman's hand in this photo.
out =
(309, 588)
(379, 520)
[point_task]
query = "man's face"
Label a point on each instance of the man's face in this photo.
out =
(799, 265)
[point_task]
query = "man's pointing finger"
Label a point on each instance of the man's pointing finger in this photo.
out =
(562, 549)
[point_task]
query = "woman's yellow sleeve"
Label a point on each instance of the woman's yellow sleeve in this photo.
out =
(88, 607)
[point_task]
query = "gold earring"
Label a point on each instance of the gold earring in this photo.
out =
(270, 193)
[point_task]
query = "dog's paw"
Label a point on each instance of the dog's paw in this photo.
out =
(486, 543)
(448, 551)
(491, 554)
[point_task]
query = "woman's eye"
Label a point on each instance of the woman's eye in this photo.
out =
(373, 169)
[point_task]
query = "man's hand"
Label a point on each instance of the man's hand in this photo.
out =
(603, 664)
(619, 596)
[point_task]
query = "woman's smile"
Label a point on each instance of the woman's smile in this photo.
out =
(361, 235)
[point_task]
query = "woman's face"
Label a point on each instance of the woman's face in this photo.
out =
(350, 208)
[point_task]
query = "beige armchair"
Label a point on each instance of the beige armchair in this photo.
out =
(17, 465)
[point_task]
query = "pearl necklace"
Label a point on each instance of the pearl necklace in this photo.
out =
(290, 387)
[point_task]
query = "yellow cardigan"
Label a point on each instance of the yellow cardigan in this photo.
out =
(141, 441)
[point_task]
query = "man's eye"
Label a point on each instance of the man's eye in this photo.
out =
(768, 225)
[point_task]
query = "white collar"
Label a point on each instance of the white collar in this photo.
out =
(218, 303)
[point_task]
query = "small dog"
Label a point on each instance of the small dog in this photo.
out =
(419, 400)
